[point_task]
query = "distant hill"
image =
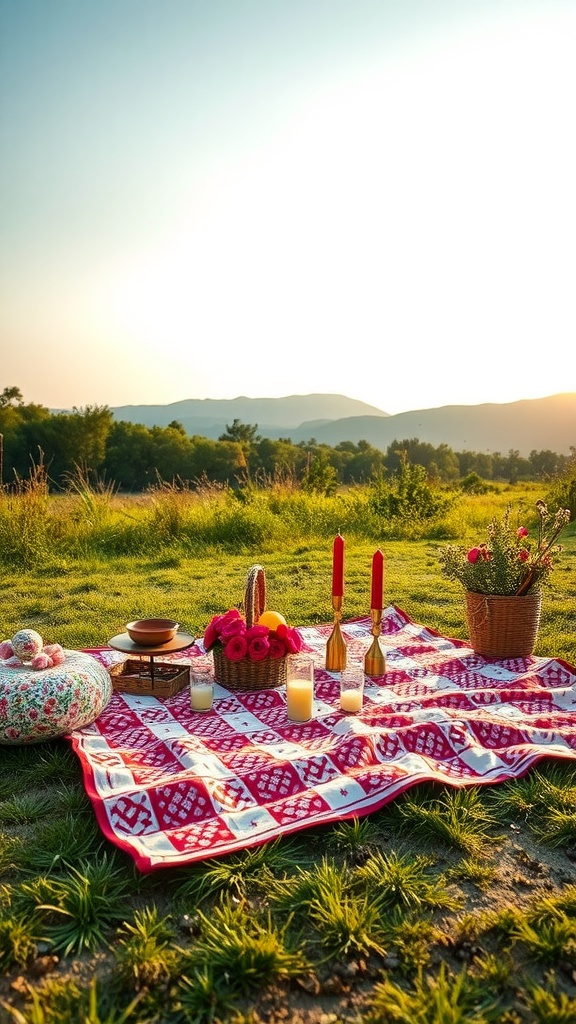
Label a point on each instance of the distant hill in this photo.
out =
(276, 417)
(539, 424)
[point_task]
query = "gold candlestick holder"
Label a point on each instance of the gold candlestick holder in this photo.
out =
(335, 646)
(374, 660)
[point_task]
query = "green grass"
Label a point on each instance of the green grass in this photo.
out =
(445, 906)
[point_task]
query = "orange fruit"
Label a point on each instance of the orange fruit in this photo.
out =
(272, 620)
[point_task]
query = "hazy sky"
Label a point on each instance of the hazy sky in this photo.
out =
(214, 198)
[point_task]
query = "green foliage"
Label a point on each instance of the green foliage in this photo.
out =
(408, 497)
(89, 898)
(233, 941)
(144, 952)
(404, 883)
(545, 800)
(17, 941)
(460, 818)
(443, 999)
(67, 1002)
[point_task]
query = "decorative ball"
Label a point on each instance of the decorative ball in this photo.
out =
(26, 643)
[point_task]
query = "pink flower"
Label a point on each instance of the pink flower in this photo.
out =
(473, 555)
(6, 650)
(290, 638)
(277, 649)
(522, 531)
(237, 627)
(258, 648)
(56, 652)
(222, 627)
(523, 555)
(230, 616)
(212, 631)
(236, 648)
(256, 630)
(41, 660)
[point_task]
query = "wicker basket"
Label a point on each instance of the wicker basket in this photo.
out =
(246, 674)
(135, 677)
(503, 627)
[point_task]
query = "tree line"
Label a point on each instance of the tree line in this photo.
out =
(134, 457)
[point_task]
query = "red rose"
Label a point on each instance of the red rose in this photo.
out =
(522, 531)
(255, 631)
(523, 555)
(473, 555)
(236, 648)
(211, 632)
(234, 627)
(277, 649)
(290, 638)
(258, 648)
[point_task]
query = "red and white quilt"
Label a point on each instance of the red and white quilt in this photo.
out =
(170, 786)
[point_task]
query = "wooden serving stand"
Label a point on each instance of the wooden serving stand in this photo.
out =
(150, 678)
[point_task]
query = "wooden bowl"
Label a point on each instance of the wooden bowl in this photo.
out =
(150, 632)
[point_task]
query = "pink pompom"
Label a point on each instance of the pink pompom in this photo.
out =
(56, 652)
(6, 650)
(41, 660)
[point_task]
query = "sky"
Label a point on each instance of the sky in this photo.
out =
(262, 198)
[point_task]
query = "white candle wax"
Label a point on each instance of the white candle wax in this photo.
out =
(351, 701)
(201, 696)
(299, 699)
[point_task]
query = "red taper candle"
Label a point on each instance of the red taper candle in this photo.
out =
(377, 579)
(338, 567)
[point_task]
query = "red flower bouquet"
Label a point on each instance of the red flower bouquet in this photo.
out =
(238, 640)
(249, 655)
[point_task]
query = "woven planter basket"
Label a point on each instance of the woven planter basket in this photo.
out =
(246, 674)
(503, 627)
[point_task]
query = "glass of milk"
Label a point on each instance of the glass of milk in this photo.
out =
(201, 687)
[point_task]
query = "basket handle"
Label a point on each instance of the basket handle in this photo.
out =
(255, 595)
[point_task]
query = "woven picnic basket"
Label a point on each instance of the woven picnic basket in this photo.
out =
(245, 674)
(503, 626)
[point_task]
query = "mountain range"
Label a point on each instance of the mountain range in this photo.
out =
(538, 424)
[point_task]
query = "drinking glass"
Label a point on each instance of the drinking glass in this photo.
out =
(299, 688)
(352, 688)
(201, 688)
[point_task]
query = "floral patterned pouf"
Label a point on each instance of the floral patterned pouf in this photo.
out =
(40, 705)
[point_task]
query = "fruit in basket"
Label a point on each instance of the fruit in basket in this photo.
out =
(272, 620)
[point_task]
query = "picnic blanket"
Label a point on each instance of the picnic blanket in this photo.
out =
(172, 787)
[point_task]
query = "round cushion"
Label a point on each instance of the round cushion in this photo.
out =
(38, 705)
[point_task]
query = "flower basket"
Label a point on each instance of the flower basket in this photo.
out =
(503, 626)
(245, 673)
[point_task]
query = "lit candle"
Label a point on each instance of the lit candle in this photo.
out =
(377, 579)
(338, 567)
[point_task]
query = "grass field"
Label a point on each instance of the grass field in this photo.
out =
(445, 906)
